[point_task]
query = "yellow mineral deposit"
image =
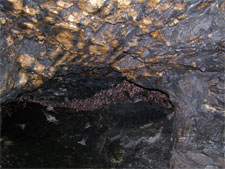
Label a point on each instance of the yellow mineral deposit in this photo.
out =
(34, 20)
(147, 20)
(22, 78)
(29, 25)
(223, 7)
(183, 16)
(37, 82)
(106, 10)
(210, 108)
(92, 59)
(180, 6)
(65, 38)
(42, 53)
(164, 6)
(51, 6)
(153, 3)
(66, 25)
(49, 18)
(75, 17)
(124, 3)
(80, 45)
(37, 79)
(41, 38)
(159, 24)
(16, 4)
(174, 22)
(158, 58)
(31, 11)
(64, 3)
(133, 14)
(193, 64)
(25, 60)
(203, 5)
(39, 68)
(91, 6)
(115, 43)
(158, 35)
(139, 1)
(98, 50)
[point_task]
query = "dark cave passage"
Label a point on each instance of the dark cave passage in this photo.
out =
(123, 126)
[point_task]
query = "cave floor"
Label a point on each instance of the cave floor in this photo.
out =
(125, 135)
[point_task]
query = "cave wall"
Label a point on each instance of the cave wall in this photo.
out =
(174, 46)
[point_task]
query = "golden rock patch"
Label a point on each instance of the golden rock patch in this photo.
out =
(210, 107)
(115, 43)
(80, 45)
(31, 11)
(66, 25)
(41, 38)
(124, 3)
(133, 14)
(203, 5)
(91, 6)
(29, 25)
(147, 20)
(179, 6)
(164, 6)
(51, 6)
(16, 4)
(159, 24)
(106, 10)
(76, 17)
(153, 3)
(26, 60)
(174, 22)
(49, 18)
(222, 7)
(139, 1)
(65, 38)
(98, 50)
(39, 68)
(64, 3)
(37, 82)
(22, 78)
(158, 35)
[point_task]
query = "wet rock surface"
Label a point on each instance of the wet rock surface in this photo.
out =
(50, 48)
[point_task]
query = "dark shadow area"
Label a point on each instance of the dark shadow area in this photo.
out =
(133, 131)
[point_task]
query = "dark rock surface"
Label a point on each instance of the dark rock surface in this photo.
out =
(126, 134)
(50, 48)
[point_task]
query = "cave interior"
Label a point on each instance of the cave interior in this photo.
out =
(88, 121)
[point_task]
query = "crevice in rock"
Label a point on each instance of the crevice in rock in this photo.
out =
(119, 126)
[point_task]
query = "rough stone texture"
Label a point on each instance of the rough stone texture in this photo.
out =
(174, 46)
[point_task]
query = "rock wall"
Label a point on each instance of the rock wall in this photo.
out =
(174, 46)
